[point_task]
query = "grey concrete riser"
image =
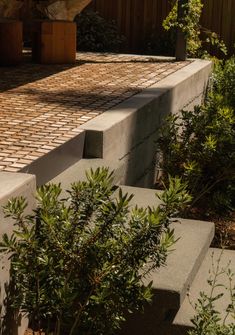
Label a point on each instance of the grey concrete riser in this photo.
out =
(56, 161)
(139, 161)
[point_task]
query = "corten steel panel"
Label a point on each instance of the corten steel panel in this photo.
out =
(11, 42)
(54, 42)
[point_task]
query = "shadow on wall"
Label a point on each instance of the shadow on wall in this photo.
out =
(141, 159)
(11, 321)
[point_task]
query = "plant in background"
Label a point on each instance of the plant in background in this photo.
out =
(75, 263)
(94, 33)
(208, 320)
(223, 82)
(163, 44)
(199, 146)
(197, 36)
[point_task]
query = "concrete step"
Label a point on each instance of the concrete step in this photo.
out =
(182, 322)
(170, 284)
(183, 263)
(77, 171)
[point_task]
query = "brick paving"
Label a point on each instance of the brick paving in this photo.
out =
(42, 106)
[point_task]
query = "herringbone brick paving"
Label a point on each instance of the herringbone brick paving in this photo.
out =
(42, 106)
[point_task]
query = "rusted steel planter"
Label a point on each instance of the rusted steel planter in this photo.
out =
(11, 42)
(54, 42)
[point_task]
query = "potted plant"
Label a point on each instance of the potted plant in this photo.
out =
(11, 36)
(54, 39)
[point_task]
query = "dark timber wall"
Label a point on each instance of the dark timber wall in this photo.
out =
(138, 19)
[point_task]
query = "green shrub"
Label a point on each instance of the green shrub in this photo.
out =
(75, 263)
(94, 33)
(208, 320)
(197, 36)
(199, 146)
(223, 82)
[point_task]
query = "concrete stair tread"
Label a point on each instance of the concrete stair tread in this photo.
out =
(186, 311)
(194, 238)
(78, 170)
(183, 263)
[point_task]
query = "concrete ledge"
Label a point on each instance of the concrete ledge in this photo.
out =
(57, 160)
(13, 185)
(119, 130)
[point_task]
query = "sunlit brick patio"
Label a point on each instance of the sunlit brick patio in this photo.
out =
(42, 107)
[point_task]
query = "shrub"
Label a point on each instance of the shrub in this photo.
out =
(75, 263)
(163, 44)
(197, 36)
(94, 33)
(198, 146)
(223, 82)
(208, 320)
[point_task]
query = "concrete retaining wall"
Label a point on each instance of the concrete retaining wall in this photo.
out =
(12, 185)
(127, 133)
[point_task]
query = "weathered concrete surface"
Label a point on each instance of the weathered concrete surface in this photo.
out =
(182, 321)
(13, 185)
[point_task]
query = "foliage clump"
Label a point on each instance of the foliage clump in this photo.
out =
(75, 263)
(96, 34)
(197, 36)
(208, 320)
(199, 145)
(223, 82)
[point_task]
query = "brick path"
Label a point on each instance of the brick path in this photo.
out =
(41, 107)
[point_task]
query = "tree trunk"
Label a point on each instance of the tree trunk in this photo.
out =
(61, 9)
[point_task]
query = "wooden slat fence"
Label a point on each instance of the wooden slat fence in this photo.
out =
(138, 19)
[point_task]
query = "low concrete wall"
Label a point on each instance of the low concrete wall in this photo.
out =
(12, 185)
(127, 133)
(55, 161)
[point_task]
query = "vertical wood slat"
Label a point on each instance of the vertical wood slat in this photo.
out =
(138, 19)
(54, 42)
(11, 38)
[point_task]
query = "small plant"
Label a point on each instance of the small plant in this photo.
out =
(197, 36)
(75, 263)
(94, 33)
(208, 320)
